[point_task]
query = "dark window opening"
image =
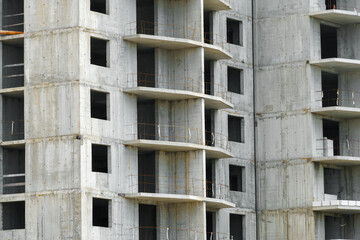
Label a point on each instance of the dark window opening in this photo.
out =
(332, 181)
(146, 119)
(234, 32)
(236, 129)
(333, 227)
(101, 212)
(99, 52)
(330, 4)
(99, 6)
(146, 171)
(331, 131)
(330, 94)
(209, 86)
(146, 67)
(210, 226)
(13, 215)
(236, 174)
(328, 41)
(13, 171)
(99, 157)
(236, 226)
(13, 117)
(210, 178)
(235, 80)
(147, 222)
(209, 128)
(99, 105)
(13, 15)
(13, 64)
(208, 27)
(145, 15)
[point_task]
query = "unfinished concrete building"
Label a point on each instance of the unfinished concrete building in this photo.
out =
(127, 119)
(307, 115)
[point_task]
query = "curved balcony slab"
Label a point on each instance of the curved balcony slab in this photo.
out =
(211, 51)
(155, 145)
(338, 112)
(338, 160)
(211, 102)
(216, 5)
(337, 206)
(16, 39)
(180, 198)
(341, 17)
(337, 64)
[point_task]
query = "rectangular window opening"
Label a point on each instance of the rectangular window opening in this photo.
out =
(13, 67)
(13, 124)
(100, 6)
(210, 226)
(147, 222)
(13, 15)
(330, 4)
(146, 67)
(332, 182)
(236, 129)
(234, 32)
(235, 80)
(101, 212)
(145, 16)
(331, 131)
(236, 226)
(13, 171)
(328, 41)
(210, 178)
(13, 215)
(146, 171)
(330, 89)
(99, 105)
(334, 227)
(100, 158)
(236, 180)
(100, 52)
(146, 120)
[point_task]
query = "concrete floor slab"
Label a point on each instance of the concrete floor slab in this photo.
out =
(338, 160)
(337, 206)
(338, 112)
(336, 16)
(211, 102)
(216, 5)
(337, 64)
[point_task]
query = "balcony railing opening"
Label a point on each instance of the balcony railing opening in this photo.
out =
(337, 97)
(13, 65)
(13, 15)
(339, 227)
(13, 171)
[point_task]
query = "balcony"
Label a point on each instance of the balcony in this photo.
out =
(12, 17)
(338, 65)
(336, 16)
(173, 138)
(338, 103)
(172, 37)
(167, 87)
(173, 189)
(337, 206)
(216, 5)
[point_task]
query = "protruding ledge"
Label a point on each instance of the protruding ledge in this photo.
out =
(338, 160)
(180, 198)
(211, 102)
(338, 112)
(16, 144)
(18, 37)
(211, 51)
(341, 17)
(13, 92)
(216, 5)
(337, 64)
(337, 206)
(211, 152)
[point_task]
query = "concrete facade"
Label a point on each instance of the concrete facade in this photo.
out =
(306, 71)
(143, 85)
